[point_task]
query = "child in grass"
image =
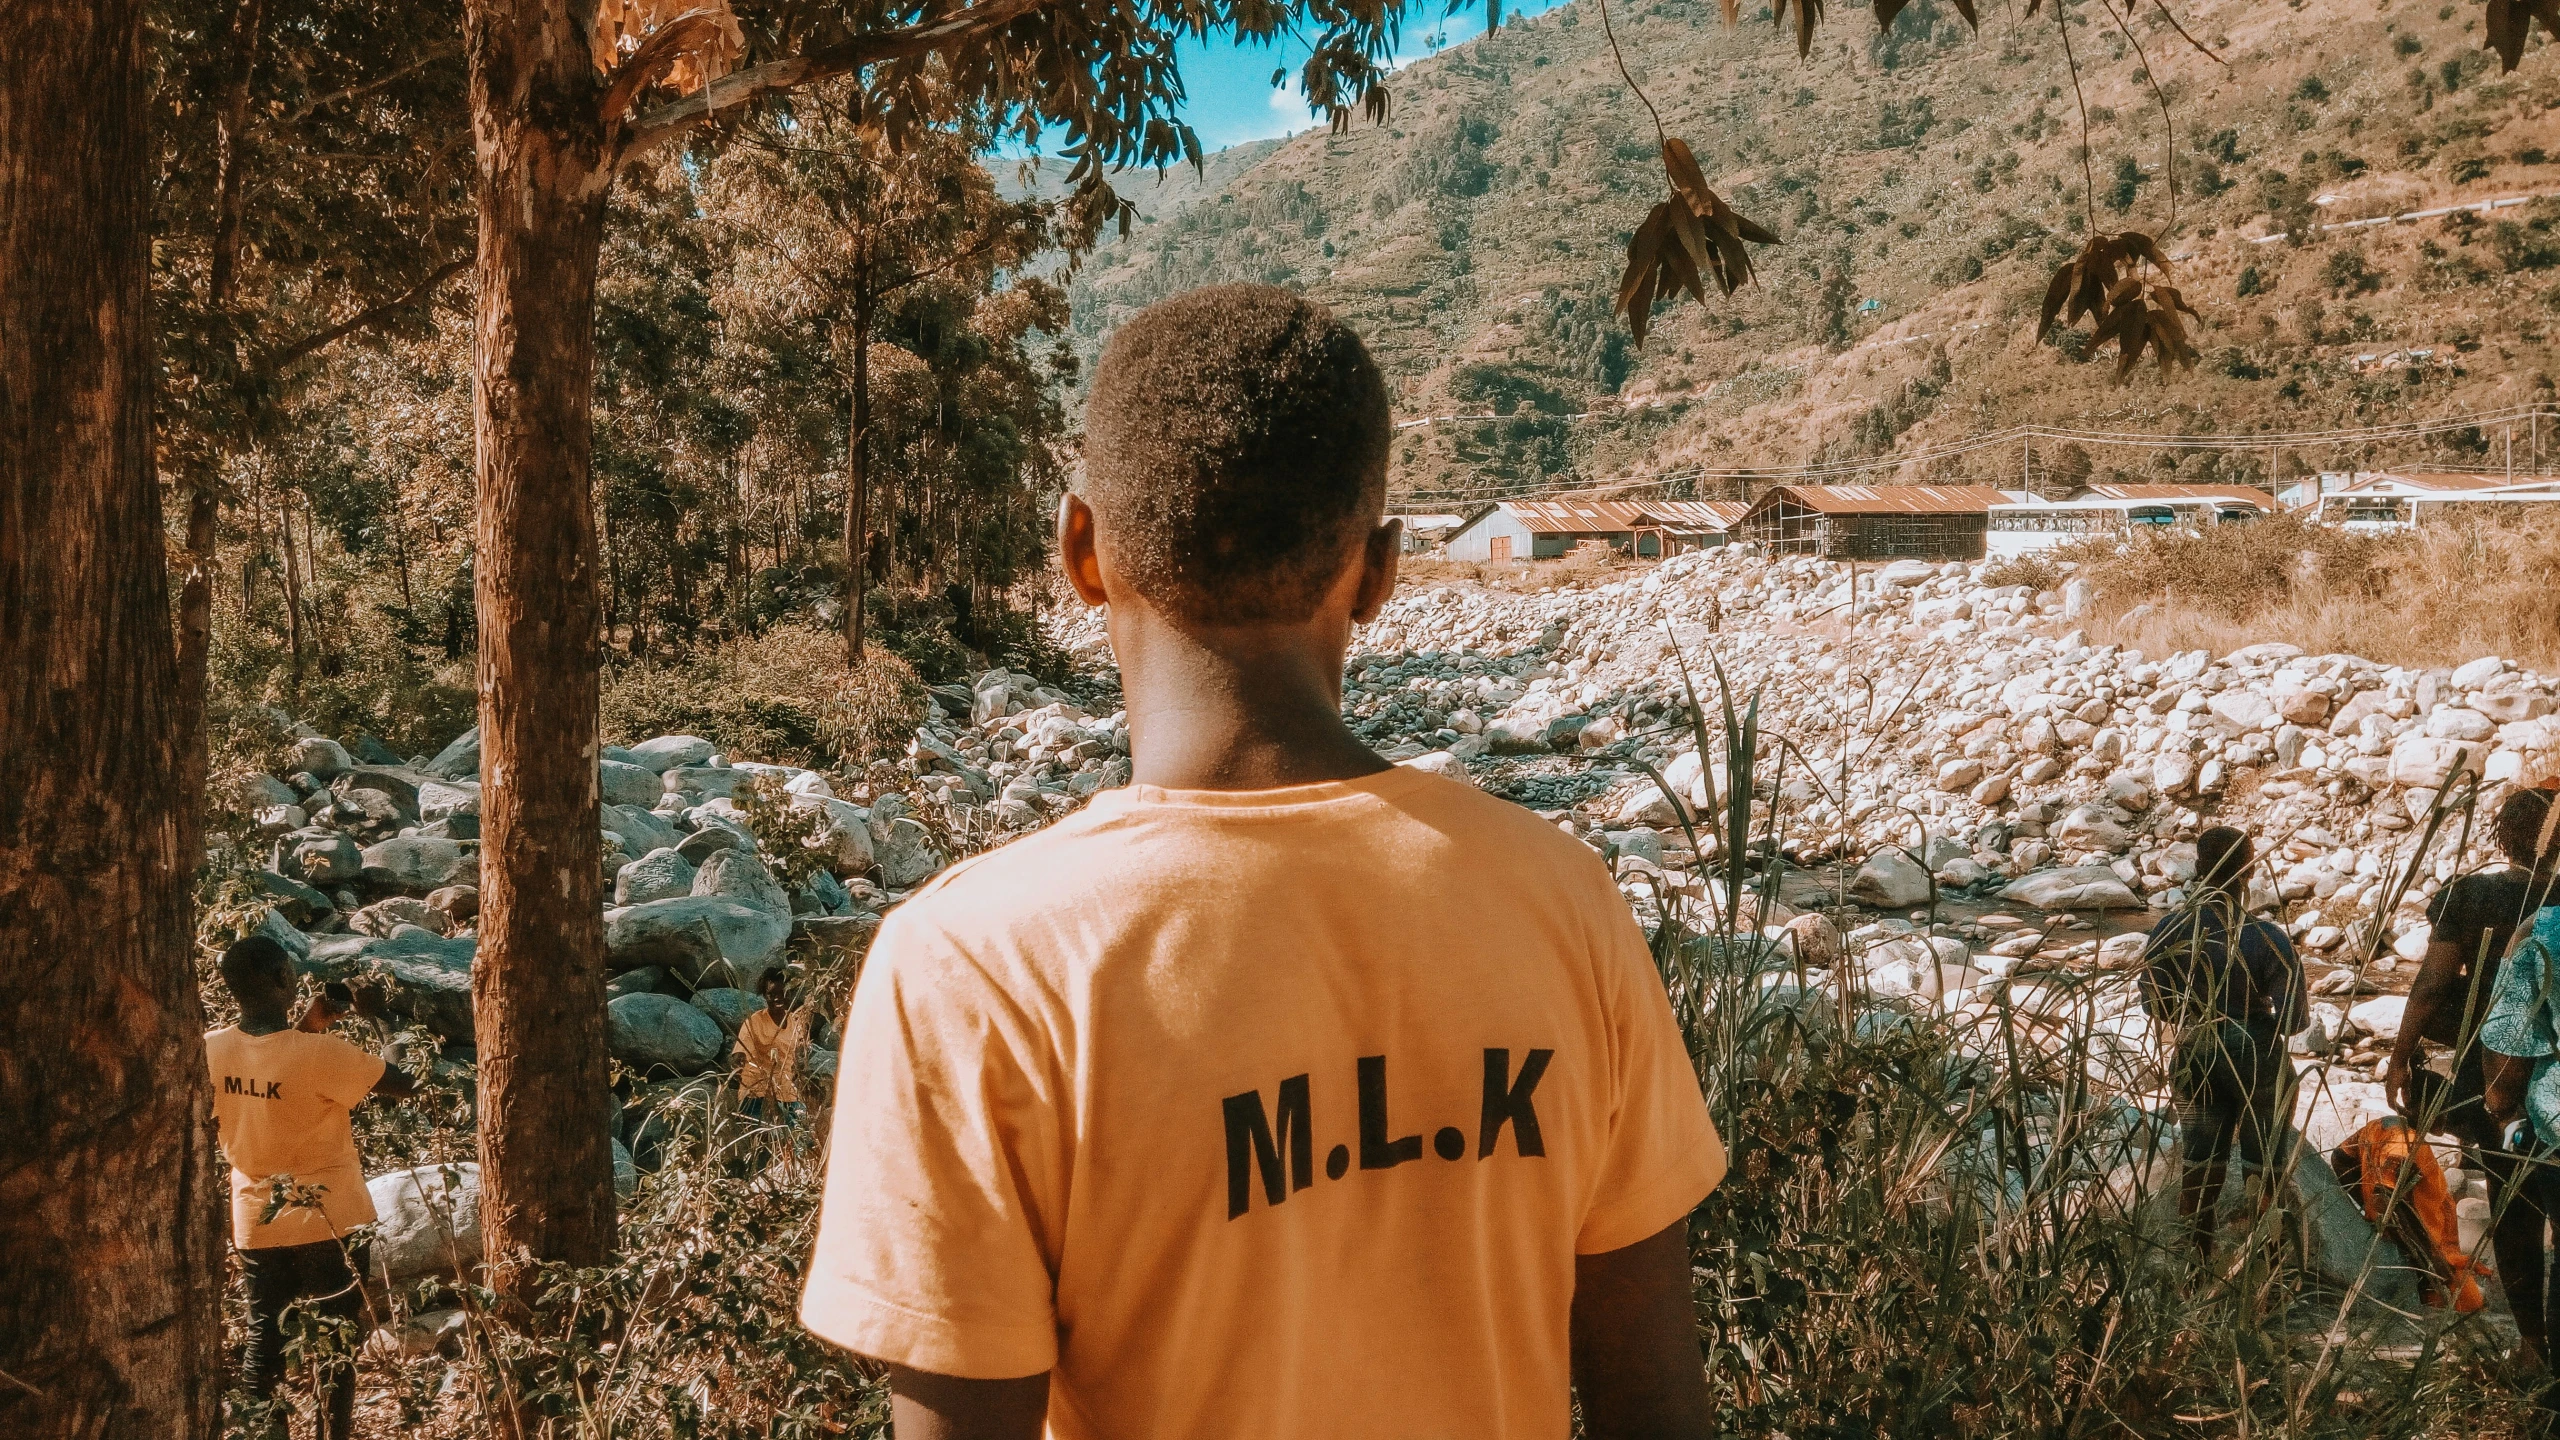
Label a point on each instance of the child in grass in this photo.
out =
(1284, 1092)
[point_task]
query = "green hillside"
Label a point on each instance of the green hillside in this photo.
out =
(1476, 237)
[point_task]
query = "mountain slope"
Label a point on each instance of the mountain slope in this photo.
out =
(1475, 239)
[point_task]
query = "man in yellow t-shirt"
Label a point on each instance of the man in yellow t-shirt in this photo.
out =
(1284, 1092)
(281, 1096)
(770, 1044)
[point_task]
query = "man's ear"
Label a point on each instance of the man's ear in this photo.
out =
(1077, 557)
(1378, 571)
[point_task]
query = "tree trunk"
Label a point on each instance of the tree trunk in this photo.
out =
(857, 508)
(109, 1317)
(292, 593)
(204, 502)
(538, 987)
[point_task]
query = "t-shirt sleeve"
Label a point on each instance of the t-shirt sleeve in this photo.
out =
(2454, 915)
(944, 1170)
(1662, 1153)
(343, 1073)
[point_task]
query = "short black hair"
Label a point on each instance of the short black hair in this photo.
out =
(1235, 446)
(775, 979)
(2524, 829)
(2222, 857)
(254, 957)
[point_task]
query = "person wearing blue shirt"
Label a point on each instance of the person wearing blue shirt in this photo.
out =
(2521, 1040)
(2225, 989)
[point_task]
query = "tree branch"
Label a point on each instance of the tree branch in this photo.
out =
(314, 107)
(287, 356)
(647, 132)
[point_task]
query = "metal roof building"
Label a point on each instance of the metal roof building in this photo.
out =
(2228, 494)
(1874, 522)
(1545, 529)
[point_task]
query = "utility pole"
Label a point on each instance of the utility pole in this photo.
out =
(2511, 453)
(2027, 464)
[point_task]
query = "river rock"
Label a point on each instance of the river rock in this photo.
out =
(323, 760)
(738, 875)
(659, 1033)
(379, 918)
(642, 829)
(2429, 762)
(673, 752)
(459, 760)
(1890, 880)
(413, 975)
(697, 937)
(2085, 887)
(658, 875)
(627, 784)
(417, 864)
(708, 782)
(429, 1222)
(324, 857)
(904, 851)
(728, 1005)
(709, 840)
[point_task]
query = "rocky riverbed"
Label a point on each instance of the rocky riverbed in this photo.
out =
(1971, 808)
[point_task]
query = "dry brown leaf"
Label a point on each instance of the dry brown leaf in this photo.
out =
(2136, 310)
(1808, 14)
(1684, 241)
(706, 35)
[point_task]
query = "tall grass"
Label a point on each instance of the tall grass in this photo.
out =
(2435, 596)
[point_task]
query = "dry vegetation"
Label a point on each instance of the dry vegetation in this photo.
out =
(2437, 596)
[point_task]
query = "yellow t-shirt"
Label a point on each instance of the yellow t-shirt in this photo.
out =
(1257, 1114)
(769, 1056)
(281, 1102)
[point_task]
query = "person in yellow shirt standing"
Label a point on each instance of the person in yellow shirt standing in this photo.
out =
(281, 1097)
(769, 1049)
(1283, 1092)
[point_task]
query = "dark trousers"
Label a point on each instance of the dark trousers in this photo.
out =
(320, 1277)
(2524, 1198)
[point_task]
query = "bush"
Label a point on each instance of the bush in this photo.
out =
(784, 695)
(2033, 571)
(2451, 589)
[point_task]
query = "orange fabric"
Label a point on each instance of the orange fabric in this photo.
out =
(2386, 1149)
(769, 1055)
(1264, 1114)
(281, 1103)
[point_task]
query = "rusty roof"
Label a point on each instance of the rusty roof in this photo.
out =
(1569, 516)
(1887, 499)
(2242, 493)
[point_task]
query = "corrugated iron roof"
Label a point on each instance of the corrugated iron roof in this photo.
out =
(1586, 517)
(1887, 499)
(2240, 493)
(2388, 481)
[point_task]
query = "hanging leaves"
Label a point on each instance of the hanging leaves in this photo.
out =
(2508, 21)
(1684, 241)
(2106, 283)
(1887, 9)
(682, 44)
(1808, 15)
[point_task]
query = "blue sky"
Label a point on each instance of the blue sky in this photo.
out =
(1232, 100)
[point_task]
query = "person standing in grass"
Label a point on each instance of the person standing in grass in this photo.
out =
(281, 1097)
(1284, 1092)
(2475, 920)
(2226, 990)
(770, 1044)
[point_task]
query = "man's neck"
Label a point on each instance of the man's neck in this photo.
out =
(1239, 708)
(263, 1022)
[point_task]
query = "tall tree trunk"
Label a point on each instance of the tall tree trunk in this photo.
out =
(857, 509)
(204, 495)
(538, 987)
(109, 1316)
